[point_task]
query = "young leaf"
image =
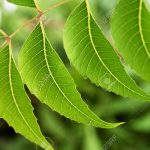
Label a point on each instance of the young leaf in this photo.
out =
(131, 32)
(15, 106)
(46, 77)
(29, 3)
(94, 57)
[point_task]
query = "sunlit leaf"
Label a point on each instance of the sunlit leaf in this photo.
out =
(29, 3)
(46, 77)
(94, 57)
(131, 32)
(15, 106)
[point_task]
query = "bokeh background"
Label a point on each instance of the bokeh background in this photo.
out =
(62, 133)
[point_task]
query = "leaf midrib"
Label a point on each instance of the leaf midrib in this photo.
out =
(14, 99)
(92, 42)
(47, 64)
(140, 28)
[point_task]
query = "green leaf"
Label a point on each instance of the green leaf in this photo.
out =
(15, 106)
(29, 3)
(131, 32)
(46, 77)
(94, 57)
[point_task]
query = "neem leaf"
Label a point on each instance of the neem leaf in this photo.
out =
(131, 32)
(46, 77)
(94, 57)
(29, 3)
(15, 106)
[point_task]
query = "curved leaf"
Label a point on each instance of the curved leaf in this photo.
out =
(15, 106)
(131, 32)
(94, 57)
(29, 3)
(47, 78)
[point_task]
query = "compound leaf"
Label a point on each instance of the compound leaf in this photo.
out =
(131, 32)
(94, 57)
(47, 78)
(15, 106)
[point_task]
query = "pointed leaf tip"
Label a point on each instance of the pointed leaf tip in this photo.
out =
(47, 77)
(15, 106)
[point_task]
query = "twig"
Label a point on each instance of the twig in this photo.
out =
(36, 18)
(7, 38)
(37, 6)
(3, 33)
(55, 6)
(25, 24)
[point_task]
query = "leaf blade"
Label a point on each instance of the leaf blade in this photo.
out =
(18, 114)
(52, 83)
(135, 34)
(96, 59)
(29, 3)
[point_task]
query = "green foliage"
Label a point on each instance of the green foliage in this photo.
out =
(47, 78)
(93, 56)
(29, 3)
(15, 107)
(132, 36)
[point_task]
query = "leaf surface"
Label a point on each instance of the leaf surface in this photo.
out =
(29, 3)
(15, 106)
(47, 78)
(94, 57)
(131, 32)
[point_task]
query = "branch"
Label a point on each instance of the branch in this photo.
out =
(38, 17)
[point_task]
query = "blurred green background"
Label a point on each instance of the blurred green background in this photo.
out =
(62, 133)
